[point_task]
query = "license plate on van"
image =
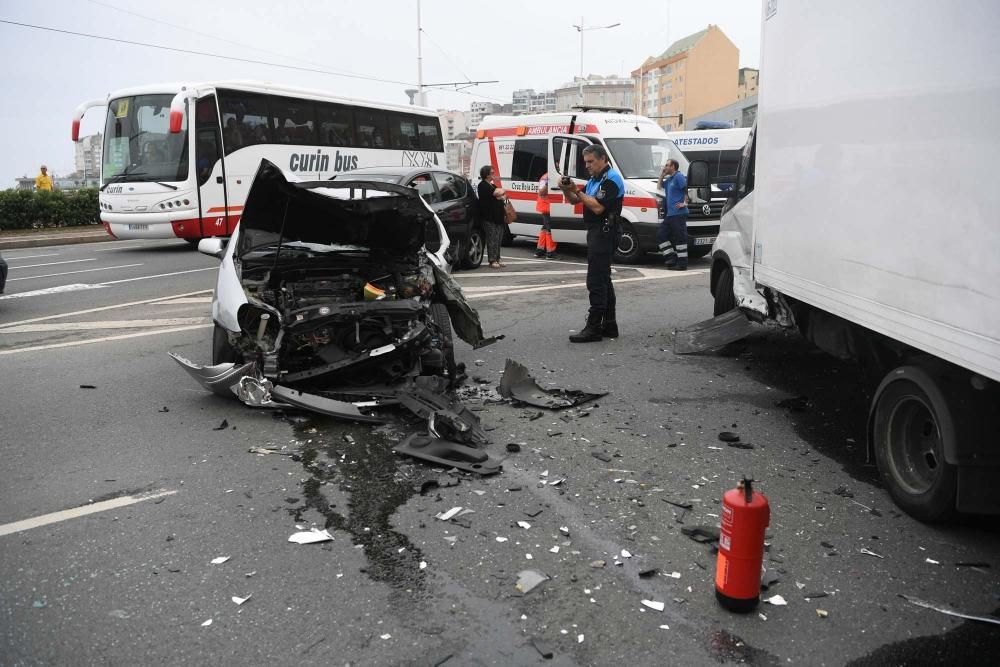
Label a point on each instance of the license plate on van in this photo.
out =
(138, 228)
(704, 240)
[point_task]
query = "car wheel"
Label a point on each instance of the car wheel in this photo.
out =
(910, 432)
(439, 313)
(725, 300)
(222, 351)
(475, 248)
(628, 250)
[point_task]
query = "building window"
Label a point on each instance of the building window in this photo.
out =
(668, 70)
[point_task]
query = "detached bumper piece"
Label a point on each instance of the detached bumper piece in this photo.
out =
(518, 385)
(451, 454)
(711, 334)
(219, 379)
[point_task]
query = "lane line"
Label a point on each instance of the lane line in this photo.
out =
(76, 512)
(522, 260)
(11, 259)
(185, 301)
(107, 324)
(501, 273)
(105, 339)
(102, 308)
(68, 273)
(50, 290)
(32, 237)
(545, 288)
(68, 261)
(159, 275)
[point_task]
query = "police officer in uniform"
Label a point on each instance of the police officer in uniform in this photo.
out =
(602, 206)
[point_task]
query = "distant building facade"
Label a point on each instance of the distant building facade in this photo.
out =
(693, 76)
(480, 109)
(598, 91)
(747, 83)
(527, 101)
(88, 154)
(741, 113)
(454, 123)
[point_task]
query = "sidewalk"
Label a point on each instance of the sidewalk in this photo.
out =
(35, 238)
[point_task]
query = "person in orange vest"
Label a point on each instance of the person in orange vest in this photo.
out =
(546, 244)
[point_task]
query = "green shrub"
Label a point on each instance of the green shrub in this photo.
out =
(30, 209)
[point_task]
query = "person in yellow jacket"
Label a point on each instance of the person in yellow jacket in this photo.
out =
(43, 181)
(546, 244)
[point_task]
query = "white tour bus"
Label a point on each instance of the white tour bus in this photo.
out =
(161, 181)
(522, 148)
(720, 149)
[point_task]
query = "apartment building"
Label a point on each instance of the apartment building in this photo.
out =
(695, 75)
(527, 101)
(747, 83)
(598, 91)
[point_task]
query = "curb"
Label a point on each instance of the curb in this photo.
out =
(32, 241)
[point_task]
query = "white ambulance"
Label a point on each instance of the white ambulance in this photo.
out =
(522, 148)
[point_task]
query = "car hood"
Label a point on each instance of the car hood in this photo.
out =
(369, 214)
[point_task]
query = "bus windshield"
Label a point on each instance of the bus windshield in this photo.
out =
(644, 157)
(138, 145)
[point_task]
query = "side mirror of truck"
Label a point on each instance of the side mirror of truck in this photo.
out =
(697, 176)
(213, 247)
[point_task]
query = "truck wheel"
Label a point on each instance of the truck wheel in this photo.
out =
(222, 351)
(439, 313)
(475, 247)
(910, 433)
(628, 250)
(725, 300)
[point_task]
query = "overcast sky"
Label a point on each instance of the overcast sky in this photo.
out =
(45, 75)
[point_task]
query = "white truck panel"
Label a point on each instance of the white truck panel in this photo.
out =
(875, 192)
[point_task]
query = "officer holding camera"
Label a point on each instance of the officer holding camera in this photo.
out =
(602, 206)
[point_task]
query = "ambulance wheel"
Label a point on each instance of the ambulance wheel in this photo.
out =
(475, 247)
(222, 351)
(911, 428)
(629, 251)
(725, 300)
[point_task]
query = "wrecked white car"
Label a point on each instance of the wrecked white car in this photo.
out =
(335, 297)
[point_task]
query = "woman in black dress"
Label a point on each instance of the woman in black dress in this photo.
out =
(491, 212)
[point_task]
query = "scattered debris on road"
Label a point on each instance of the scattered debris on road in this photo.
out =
(223, 426)
(313, 536)
(529, 580)
(951, 612)
(654, 605)
(220, 560)
(239, 601)
(518, 386)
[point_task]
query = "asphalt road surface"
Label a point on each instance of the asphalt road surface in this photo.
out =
(122, 480)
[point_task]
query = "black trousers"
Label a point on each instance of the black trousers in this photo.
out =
(600, 250)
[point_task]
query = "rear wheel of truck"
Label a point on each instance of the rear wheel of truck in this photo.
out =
(912, 427)
(628, 250)
(439, 313)
(725, 300)
(222, 351)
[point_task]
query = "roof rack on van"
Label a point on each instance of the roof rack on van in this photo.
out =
(591, 107)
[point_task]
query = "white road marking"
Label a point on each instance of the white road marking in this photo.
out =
(144, 245)
(17, 257)
(68, 261)
(520, 260)
(159, 275)
(187, 300)
(501, 273)
(32, 237)
(93, 508)
(107, 324)
(50, 290)
(67, 273)
(88, 341)
(545, 288)
(101, 308)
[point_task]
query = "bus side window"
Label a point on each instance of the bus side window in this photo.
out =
(250, 118)
(206, 150)
(403, 132)
(371, 128)
(336, 125)
(292, 121)
(429, 131)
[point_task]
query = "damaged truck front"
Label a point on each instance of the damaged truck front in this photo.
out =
(338, 291)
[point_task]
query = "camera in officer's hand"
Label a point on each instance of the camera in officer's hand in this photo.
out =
(565, 181)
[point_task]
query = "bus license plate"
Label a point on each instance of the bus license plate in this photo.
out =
(138, 228)
(704, 240)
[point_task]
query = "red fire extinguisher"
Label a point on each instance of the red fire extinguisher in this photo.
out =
(745, 516)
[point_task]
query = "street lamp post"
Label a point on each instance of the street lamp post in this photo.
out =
(580, 29)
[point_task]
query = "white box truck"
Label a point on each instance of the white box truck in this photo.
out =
(522, 148)
(866, 214)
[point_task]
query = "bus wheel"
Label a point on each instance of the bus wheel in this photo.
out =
(628, 251)
(911, 428)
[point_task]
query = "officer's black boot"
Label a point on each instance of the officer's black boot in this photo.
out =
(609, 329)
(591, 333)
